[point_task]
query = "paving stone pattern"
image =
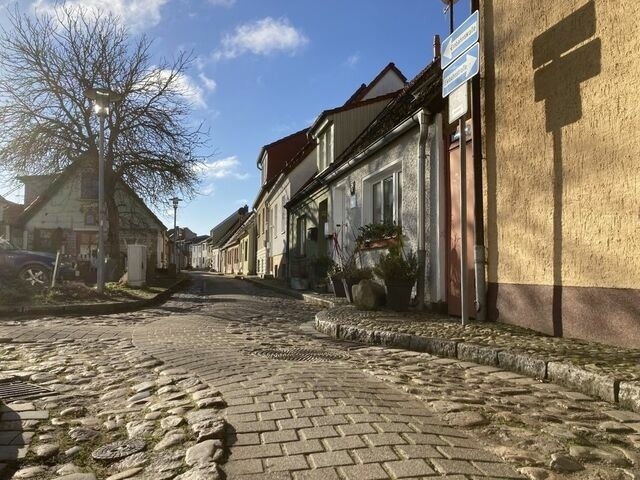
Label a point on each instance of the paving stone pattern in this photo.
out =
(104, 391)
(379, 413)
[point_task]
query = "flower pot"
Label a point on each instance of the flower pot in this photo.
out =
(299, 283)
(398, 294)
(348, 283)
(338, 286)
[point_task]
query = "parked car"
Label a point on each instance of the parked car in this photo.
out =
(35, 268)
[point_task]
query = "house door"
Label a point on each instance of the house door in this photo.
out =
(453, 255)
(339, 217)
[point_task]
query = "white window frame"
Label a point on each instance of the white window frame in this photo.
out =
(301, 235)
(325, 155)
(283, 214)
(393, 169)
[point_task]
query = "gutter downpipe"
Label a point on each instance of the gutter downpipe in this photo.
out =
(479, 248)
(288, 249)
(424, 131)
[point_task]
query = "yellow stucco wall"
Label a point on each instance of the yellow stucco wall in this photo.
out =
(561, 119)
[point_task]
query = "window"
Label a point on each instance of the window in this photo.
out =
(325, 148)
(89, 186)
(246, 250)
(283, 213)
(383, 196)
(90, 218)
(301, 235)
(274, 216)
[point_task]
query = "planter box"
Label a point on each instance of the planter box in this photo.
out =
(379, 243)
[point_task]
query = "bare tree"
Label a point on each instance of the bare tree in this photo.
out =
(46, 64)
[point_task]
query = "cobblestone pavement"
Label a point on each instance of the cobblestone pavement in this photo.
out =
(367, 412)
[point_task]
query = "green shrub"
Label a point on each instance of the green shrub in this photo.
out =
(396, 266)
(12, 289)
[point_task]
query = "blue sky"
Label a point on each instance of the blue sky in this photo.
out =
(267, 68)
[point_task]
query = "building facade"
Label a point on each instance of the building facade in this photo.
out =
(562, 176)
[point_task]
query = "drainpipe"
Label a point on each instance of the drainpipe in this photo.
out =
(479, 255)
(287, 255)
(424, 130)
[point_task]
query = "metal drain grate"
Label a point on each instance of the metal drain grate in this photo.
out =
(10, 392)
(300, 354)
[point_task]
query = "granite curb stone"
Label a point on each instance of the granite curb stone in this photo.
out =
(608, 388)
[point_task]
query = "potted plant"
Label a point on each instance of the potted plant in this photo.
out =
(336, 275)
(378, 235)
(352, 275)
(399, 273)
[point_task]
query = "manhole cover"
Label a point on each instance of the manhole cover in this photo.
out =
(13, 391)
(118, 450)
(300, 354)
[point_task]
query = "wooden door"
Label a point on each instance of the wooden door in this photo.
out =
(453, 255)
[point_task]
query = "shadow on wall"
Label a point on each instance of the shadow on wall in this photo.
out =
(564, 56)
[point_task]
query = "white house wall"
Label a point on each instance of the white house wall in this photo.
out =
(404, 150)
(387, 84)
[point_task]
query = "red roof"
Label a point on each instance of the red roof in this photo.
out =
(280, 152)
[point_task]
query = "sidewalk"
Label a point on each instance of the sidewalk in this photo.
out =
(606, 372)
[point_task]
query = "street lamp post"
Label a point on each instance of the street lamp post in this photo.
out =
(175, 201)
(102, 97)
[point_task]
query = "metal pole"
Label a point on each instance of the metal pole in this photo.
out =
(100, 265)
(451, 16)
(463, 221)
(175, 235)
(476, 138)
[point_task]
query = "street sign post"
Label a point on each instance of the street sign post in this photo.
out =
(461, 57)
(460, 40)
(458, 103)
(462, 69)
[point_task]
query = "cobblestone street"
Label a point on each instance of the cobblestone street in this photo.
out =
(297, 403)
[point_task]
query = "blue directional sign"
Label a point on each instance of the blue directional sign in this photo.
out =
(464, 68)
(461, 39)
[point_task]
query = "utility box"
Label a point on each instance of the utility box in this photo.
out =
(137, 265)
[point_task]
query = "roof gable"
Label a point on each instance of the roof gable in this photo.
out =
(390, 79)
(423, 91)
(60, 179)
(220, 232)
(280, 152)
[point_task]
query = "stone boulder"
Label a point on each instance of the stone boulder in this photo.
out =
(368, 295)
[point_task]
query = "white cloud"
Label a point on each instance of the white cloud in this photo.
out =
(352, 60)
(222, 3)
(137, 14)
(208, 189)
(182, 84)
(263, 37)
(209, 83)
(223, 168)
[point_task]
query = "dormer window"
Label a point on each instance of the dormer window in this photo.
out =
(263, 167)
(325, 147)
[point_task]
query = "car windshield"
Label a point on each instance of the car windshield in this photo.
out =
(6, 245)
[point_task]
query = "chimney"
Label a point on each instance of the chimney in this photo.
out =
(436, 46)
